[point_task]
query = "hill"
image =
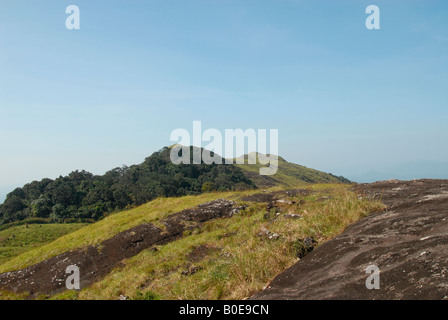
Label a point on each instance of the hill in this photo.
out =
(216, 245)
(287, 175)
(84, 197)
(312, 242)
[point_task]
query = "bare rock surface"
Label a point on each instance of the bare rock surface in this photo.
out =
(408, 243)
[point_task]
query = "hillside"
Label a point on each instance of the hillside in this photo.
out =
(287, 175)
(17, 240)
(84, 197)
(312, 242)
(216, 245)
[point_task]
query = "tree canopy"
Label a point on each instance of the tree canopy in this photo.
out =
(82, 196)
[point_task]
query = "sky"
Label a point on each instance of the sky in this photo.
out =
(345, 99)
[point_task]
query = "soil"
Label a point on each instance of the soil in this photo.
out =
(201, 251)
(408, 242)
(94, 262)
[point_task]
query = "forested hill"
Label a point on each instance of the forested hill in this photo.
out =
(82, 196)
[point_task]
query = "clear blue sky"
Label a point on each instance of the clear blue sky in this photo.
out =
(345, 99)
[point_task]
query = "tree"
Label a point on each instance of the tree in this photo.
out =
(208, 186)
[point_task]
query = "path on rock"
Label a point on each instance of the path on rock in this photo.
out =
(408, 243)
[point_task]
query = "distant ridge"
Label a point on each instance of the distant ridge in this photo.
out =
(288, 174)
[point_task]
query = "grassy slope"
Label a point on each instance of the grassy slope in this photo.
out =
(113, 224)
(288, 174)
(238, 262)
(17, 240)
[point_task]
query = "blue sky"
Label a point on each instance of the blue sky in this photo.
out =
(345, 99)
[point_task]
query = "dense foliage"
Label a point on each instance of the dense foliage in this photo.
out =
(82, 196)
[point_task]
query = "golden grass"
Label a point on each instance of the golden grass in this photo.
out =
(242, 262)
(113, 224)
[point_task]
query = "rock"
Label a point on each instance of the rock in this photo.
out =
(264, 232)
(293, 216)
(309, 242)
(407, 242)
(274, 236)
(191, 270)
(236, 210)
(268, 234)
(284, 201)
(304, 246)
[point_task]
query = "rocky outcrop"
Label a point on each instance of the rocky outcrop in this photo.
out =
(408, 243)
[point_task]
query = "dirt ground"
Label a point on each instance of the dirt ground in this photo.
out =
(408, 243)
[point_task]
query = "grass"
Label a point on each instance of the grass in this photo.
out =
(20, 239)
(241, 262)
(113, 224)
(236, 263)
(288, 174)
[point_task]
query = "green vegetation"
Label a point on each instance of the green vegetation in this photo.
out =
(287, 175)
(42, 220)
(239, 262)
(17, 240)
(235, 261)
(83, 197)
(93, 234)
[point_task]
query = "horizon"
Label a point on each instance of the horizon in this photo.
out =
(346, 100)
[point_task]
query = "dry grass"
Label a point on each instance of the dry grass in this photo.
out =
(242, 262)
(113, 224)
